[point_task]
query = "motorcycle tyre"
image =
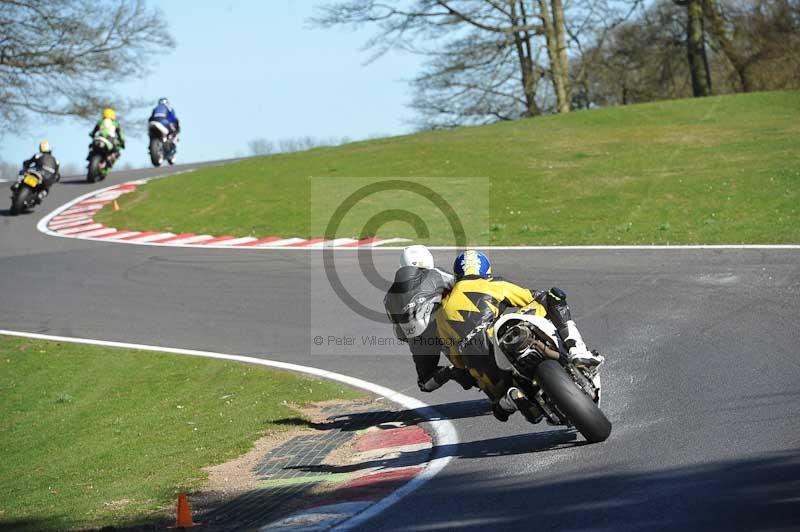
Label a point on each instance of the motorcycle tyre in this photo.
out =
(156, 152)
(573, 402)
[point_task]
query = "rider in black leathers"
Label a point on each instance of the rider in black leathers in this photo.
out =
(46, 165)
(411, 303)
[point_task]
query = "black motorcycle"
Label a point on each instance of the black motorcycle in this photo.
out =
(25, 193)
(101, 158)
(162, 144)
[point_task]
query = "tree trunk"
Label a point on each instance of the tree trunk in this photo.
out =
(744, 78)
(522, 42)
(560, 77)
(528, 82)
(696, 49)
(559, 25)
(711, 11)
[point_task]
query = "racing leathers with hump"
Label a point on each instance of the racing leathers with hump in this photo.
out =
(163, 128)
(108, 128)
(165, 115)
(46, 165)
(465, 322)
(411, 303)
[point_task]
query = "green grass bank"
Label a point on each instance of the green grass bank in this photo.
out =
(719, 170)
(96, 436)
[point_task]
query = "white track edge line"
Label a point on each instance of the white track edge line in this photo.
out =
(444, 431)
(689, 247)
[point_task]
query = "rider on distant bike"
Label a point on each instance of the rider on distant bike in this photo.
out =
(465, 319)
(412, 301)
(46, 165)
(165, 115)
(108, 128)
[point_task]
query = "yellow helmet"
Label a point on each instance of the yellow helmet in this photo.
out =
(44, 147)
(109, 113)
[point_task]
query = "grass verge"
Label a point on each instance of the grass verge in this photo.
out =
(718, 170)
(96, 436)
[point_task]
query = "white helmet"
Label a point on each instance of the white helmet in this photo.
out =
(418, 256)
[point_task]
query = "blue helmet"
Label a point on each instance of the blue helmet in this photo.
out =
(472, 262)
(164, 101)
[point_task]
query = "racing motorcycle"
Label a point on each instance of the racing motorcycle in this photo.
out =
(528, 345)
(100, 158)
(162, 144)
(25, 192)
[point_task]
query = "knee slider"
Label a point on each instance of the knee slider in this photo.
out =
(435, 380)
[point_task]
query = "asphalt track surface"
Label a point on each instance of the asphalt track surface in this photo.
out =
(701, 381)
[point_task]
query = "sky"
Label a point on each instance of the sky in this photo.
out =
(248, 69)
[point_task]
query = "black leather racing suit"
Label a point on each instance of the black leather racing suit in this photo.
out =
(411, 304)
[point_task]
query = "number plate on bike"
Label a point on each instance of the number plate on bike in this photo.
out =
(31, 180)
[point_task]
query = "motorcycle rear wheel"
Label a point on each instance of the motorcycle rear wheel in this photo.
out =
(573, 402)
(156, 152)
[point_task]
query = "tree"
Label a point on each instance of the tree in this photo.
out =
(486, 60)
(261, 146)
(746, 45)
(475, 79)
(759, 38)
(63, 57)
(755, 36)
(483, 55)
(639, 60)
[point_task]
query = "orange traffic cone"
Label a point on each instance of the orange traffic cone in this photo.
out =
(183, 517)
(115, 205)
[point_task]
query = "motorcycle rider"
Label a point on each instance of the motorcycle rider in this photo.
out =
(414, 297)
(46, 165)
(165, 115)
(108, 127)
(465, 319)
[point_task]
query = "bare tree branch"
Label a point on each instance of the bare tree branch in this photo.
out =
(63, 57)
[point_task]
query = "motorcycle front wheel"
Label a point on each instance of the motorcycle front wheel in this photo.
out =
(95, 172)
(156, 152)
(19, 200)
(573, 402)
